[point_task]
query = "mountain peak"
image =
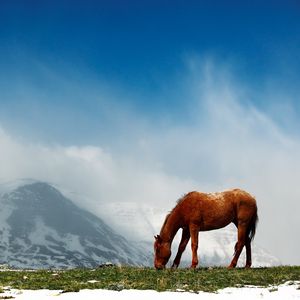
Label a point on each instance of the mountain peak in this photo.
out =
(41, 228)
(9, 186)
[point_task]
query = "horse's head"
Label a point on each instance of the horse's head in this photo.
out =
(162, 252)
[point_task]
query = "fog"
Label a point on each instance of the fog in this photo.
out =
(223, 140)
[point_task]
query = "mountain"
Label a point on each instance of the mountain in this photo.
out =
(41, 228)
(215, 247)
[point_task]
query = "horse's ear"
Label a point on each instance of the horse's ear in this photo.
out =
(158, 238)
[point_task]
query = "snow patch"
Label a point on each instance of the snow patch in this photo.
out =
(285, 291)
(8, 187)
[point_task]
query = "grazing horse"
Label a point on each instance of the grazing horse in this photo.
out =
(198, 211)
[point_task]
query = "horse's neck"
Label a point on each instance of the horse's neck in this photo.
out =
(170, 227)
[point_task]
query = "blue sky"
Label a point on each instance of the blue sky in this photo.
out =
(145, 100)
(137, 51)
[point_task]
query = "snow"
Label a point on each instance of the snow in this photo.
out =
(285, 291)
(215, 247)
(9, 186)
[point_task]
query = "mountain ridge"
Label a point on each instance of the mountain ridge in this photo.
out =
(40, 228)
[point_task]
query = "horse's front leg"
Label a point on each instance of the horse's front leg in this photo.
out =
(194, 232)
(184, 240)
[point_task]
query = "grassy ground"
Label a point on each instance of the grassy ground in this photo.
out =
(118, 278)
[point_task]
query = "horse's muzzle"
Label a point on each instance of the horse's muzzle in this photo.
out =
(160, 267)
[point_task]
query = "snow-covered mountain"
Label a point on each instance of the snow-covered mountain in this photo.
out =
(41, 228)
(215, 247)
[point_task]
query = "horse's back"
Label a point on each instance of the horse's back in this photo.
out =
(216, 210)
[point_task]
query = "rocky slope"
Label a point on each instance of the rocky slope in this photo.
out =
(41, 228)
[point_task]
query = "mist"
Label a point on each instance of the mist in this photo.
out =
(222, 140)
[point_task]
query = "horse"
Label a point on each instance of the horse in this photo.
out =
(198, 211)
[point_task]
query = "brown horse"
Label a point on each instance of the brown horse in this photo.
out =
(196, 212)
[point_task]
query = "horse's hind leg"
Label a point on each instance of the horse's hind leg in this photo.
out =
(248, 253)
(242, 232)
(184, 240)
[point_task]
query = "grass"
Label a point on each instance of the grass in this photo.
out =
(118, 278)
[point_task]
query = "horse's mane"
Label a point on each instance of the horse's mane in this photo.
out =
(179, 200)
(165, 222)
(168, 215)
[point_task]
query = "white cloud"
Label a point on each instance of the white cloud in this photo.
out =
(87, 170)
(226, 142)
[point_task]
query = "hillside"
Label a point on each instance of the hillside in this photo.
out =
(41, 228)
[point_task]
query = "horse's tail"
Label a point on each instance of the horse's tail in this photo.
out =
(252, 227)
